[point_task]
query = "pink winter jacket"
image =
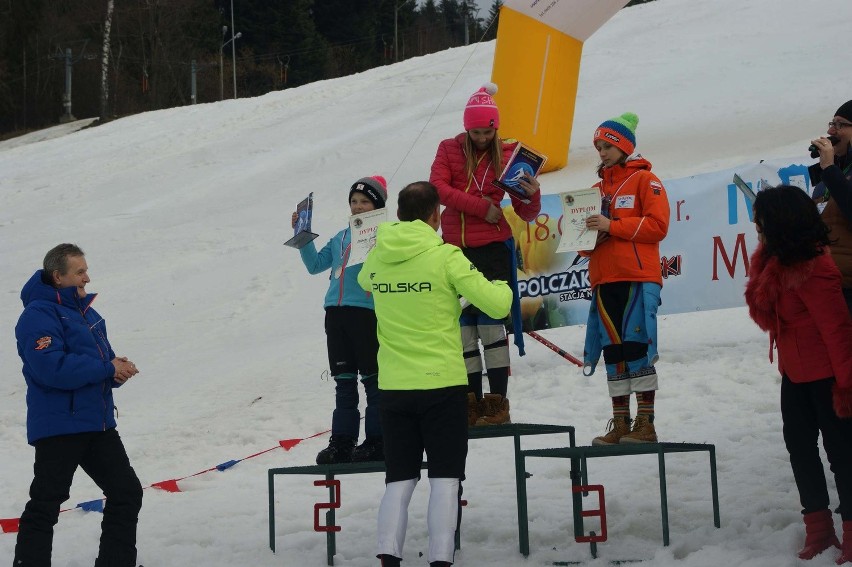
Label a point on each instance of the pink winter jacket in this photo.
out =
(466, 199)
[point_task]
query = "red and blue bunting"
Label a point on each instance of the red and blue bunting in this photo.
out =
(10, 525)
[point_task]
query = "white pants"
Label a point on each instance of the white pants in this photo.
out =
(441, 518)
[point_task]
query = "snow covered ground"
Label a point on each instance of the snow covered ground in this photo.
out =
(182, 213)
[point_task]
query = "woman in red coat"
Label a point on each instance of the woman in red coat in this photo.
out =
(794, 293)
(463, 171)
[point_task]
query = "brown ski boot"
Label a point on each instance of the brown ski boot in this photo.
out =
(474, 409)
(496, 410)
(616, 428)
(643, 431)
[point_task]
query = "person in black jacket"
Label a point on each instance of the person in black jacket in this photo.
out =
(832, 180)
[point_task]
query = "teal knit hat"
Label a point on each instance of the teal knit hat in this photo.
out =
(620, 132)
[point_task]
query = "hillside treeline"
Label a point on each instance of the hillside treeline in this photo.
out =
(157, 49)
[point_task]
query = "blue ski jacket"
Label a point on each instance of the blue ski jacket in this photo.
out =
(343, 288)
(67, 358)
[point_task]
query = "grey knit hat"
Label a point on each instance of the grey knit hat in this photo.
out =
(375, 188)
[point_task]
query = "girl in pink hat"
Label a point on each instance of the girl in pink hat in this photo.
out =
(463, 171)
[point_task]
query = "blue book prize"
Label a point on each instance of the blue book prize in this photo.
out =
(302, 231)
(524, 162)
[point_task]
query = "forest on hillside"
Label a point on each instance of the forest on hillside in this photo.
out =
(164, 53)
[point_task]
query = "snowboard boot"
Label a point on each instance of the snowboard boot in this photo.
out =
(846, 548)
(495, 410)
(440, 564)
(339, 450)
(643, 431)
(819, 534)
(616, 428)
(372, 449)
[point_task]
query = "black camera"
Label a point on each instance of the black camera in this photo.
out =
(815, 152)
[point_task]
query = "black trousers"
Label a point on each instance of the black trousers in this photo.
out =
(614, 297)
(102, 456)
(434, 421)
(350, 337)
(806, 411)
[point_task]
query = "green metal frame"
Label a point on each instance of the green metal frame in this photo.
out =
(514, 430)
(579, 477)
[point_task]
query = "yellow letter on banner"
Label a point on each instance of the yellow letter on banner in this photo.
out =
(537, 68)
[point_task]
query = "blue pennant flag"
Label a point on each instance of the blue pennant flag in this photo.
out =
(227, 465)
(92, 506)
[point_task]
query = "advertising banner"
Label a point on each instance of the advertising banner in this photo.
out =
(704, 258)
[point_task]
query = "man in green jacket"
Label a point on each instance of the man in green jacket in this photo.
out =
(416, 280)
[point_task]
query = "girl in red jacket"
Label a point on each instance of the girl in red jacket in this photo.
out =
(625, 275)
(794, 293)
(463, 171)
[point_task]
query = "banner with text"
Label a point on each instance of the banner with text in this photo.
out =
(704, 258)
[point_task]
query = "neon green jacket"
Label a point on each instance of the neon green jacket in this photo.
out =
(416, 280)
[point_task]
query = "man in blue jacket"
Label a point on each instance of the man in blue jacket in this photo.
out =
(71, 370)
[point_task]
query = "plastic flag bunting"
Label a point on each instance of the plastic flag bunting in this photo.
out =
(167, 485)
(9, 525)
(288, 444)
(92, 506)
(227, 465)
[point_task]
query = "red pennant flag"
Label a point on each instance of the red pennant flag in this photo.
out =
(167, 485)
(288, 444)
(9, 525)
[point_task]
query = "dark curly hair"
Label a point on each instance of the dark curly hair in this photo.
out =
(790, 224)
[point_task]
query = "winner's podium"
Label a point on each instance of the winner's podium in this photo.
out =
(580, 485)
(329, 472)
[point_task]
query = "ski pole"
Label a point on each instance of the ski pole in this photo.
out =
(566, 355)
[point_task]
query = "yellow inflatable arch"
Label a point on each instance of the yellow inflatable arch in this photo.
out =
(537, 68)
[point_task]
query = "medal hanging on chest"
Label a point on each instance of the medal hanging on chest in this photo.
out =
(479, 185)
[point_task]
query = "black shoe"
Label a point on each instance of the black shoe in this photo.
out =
(372, 449)
(389, 560)
(339, 450)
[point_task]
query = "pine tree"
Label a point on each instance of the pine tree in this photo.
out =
(493, 19)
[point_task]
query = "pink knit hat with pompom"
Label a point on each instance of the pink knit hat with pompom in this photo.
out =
(481, 110)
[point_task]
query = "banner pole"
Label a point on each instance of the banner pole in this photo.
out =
(566, 355)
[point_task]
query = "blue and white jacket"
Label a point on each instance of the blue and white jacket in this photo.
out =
(63, 344)
(343, 288)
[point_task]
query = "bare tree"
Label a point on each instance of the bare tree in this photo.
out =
(105, 63)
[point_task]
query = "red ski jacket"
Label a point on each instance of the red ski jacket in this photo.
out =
(466, 198)
(802, 308)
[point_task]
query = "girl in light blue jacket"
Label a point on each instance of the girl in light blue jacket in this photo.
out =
(350, 330)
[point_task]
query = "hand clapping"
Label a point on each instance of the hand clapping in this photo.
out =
(124, 369)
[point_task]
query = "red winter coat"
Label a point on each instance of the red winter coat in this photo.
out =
(802, 308)
(463, 220)
(639, 212)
